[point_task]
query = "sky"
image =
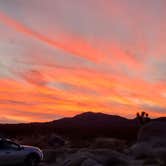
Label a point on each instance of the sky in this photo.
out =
(60, 58)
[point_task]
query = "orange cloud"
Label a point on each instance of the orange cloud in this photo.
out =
(108, 76)
(111, 94)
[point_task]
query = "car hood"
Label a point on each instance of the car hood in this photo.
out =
(31, 148)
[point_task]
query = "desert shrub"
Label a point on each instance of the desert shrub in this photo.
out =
(110, 143)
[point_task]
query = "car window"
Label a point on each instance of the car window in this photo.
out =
(8, 145)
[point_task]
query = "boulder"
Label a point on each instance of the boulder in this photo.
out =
(141, 150)
(153, 133)
(109, 143)
(151, 144)
(108, 157)
(160, 155)
(75, 159)
(90, 162)
(96, 157)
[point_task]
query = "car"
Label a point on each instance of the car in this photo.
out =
(12, 153)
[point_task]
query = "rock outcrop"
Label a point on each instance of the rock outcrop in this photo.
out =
(151, 144)
(97, 157)
(149, 150)
(154, 133)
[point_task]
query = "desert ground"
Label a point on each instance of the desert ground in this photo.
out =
(148, 150)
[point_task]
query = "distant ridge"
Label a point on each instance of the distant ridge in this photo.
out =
(98, 124)
(85, 125)
(93, 116)
(97, 115)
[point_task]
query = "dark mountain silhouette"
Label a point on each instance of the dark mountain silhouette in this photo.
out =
(84, 126)
(91, 124)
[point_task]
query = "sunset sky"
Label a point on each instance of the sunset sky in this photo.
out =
(60, 58)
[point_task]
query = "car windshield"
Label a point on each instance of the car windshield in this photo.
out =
(8, 145)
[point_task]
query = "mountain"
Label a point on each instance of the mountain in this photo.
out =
(92, 118)
(91, 124)
(85, 125)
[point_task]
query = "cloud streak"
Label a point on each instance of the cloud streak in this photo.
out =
(79, 48)
(62, 58)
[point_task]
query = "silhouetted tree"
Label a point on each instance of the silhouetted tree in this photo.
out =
(143, 117)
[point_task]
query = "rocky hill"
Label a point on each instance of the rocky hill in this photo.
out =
(85, 125)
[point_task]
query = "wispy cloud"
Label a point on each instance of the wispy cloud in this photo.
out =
(60, 58)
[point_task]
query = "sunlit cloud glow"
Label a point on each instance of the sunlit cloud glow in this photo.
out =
(60, 58)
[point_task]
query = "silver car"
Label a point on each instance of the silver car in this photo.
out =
(15, 154)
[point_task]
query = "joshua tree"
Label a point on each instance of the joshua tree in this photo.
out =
(143, 117)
